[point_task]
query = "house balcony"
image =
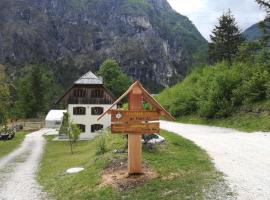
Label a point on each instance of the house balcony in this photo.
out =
(79, 100)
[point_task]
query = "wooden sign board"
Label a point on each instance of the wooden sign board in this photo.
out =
(127, 116)
(148, 128)
(136, 122)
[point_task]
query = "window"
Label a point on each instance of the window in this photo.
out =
(97, 94)
(96, 127)
(81, 127)
(79, 111)
(96, 110)
(79, 93)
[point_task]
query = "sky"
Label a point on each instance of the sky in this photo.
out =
(205, 13)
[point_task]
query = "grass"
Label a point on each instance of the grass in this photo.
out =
(248, 122)
(184, 170)
(8, 146)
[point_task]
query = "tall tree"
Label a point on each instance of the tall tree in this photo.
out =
(37, 89)
(225, 39)
(30, 93)
(264, 4)
(265, 24)
(4, 96)
(114, 79)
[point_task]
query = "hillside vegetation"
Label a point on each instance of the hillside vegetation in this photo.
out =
(222, 90)
(75, 36)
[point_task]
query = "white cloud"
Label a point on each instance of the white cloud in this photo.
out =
(204, 13)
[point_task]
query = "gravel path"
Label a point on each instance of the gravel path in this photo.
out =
(243, 157)
(18, 170)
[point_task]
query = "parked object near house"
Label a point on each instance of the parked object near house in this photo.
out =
(85, 101)
(54, 118)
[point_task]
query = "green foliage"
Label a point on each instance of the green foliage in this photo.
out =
(218, 91)
(36, 91)
(72, 131)
(225, 39)
(75, 132)
(101, 145)
(65, 126)
(178, 162)
(5, 96)
(114, 79)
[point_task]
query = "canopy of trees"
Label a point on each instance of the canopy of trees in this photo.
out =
(218, 91)
(114, 79)
(36, 91)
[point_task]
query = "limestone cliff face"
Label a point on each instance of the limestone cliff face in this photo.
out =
(151, 41)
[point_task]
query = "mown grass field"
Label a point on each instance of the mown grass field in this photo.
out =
(8, 146)
(249, 122)
(183, 170)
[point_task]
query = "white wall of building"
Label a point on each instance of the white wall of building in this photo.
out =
(89, 119)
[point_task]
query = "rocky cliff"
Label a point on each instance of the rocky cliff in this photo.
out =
(148, 38)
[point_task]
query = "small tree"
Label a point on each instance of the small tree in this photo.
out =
(225, 39)
(114, 79)
(75, 132)
(71, 130)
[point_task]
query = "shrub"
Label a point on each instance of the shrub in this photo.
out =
(217, 91)
(101, 145)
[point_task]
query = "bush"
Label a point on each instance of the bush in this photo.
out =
(217, 91)
(101, 145)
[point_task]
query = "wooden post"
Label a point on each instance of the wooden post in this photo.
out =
(134, 140)
(136, 122)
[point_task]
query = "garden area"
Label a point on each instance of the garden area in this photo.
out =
(177, 169)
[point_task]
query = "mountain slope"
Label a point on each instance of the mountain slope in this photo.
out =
(148, 38)
(253, 33)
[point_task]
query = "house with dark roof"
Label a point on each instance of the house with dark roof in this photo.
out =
(85, 100)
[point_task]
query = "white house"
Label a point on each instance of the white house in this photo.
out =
(54, 118)
(85, 101)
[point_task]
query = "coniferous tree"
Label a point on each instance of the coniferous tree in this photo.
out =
(37, 89)
(265, 24)
(225, 39)
(264, 4)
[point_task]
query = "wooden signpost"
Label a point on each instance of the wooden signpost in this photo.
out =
(135, 122)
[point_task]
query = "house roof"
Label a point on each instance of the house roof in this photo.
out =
(89, 78)
(55, 115)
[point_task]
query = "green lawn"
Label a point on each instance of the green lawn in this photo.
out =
(8, 146)
(248, 122)
(184, 171)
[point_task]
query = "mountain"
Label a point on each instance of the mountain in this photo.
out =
(151, 41)
(253, 33)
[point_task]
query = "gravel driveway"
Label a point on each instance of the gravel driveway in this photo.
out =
(244, 158)
(18, 170)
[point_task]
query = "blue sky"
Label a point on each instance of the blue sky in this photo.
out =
(204, 13)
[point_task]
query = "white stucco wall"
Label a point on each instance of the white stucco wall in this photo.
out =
(89, 119)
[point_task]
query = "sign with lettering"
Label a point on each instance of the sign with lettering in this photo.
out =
(142, 128)
(136, 122)
(134, 116)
